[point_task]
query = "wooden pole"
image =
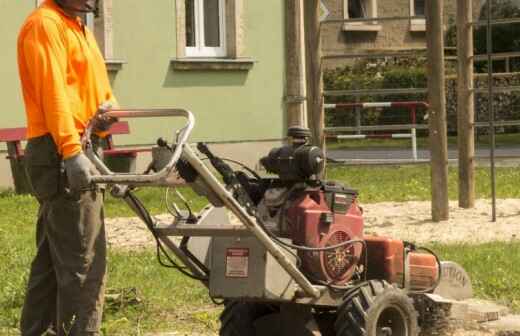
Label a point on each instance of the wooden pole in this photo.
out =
(295, 64)
(465, 105)
(315, 110)
(437, 113)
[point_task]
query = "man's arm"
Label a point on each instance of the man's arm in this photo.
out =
(46, 56)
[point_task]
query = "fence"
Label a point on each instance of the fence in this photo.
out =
(412, 106)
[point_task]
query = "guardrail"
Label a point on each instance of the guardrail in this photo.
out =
(411, 105)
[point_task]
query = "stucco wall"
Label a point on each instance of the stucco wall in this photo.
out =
(12, 15)
(229, 105)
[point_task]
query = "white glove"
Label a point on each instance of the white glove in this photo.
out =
(102, 123)
(79, 171)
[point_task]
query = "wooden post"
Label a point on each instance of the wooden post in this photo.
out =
(315, 110)
(437, 113)
(295, 64)
(465, 104)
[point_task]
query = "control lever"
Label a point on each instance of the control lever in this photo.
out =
(230, 178)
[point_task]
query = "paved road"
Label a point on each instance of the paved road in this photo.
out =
(406, 154)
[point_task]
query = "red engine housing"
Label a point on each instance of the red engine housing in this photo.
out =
(324, 217)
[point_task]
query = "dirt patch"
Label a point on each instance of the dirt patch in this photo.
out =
(408, 221)
(412, 221)
(131, 233)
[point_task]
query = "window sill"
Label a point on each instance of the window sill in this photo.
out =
(362, 27)
(418, 26)
(214, 64)
(114, 65)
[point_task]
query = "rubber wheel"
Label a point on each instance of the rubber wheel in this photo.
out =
(376, 308)
(238, 318)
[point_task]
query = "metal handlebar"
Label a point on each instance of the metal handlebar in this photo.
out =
(180, 139)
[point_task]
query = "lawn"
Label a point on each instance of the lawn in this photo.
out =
(169, 301)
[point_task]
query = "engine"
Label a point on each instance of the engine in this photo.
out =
(321, 219)
(315, 215)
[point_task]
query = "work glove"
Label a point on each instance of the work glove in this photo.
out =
(79, 171)
(102, 122)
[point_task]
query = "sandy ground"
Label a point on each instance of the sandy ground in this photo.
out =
(412, 221)
(408, 221)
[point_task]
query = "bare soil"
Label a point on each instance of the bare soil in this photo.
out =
(407, 221)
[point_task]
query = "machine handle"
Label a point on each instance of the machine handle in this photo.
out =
(180, 139)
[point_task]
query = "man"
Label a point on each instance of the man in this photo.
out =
(64, 81)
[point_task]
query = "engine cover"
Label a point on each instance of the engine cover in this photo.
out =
(322, 217)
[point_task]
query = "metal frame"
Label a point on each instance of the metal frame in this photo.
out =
(159, 178)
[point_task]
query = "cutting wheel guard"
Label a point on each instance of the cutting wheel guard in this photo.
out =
(180, 139)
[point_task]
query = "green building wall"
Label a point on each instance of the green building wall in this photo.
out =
(229, 105)
(12, 15)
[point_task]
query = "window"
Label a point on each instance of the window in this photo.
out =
(417, 9)
(418, 6)
(205, 28)
(360, 9)
(357, 9)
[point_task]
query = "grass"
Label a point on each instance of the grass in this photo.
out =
(502, 140)
(493, 269)
(172, 302)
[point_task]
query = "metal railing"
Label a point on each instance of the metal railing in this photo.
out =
(412, 106)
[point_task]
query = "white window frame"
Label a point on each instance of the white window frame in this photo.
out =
(366, 25)
(200, 50)
(417, 25)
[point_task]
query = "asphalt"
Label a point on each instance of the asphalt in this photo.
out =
(392, 154)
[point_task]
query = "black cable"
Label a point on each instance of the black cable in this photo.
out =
(161, 251)
(255, 174)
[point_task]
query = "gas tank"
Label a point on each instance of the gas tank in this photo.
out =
(322, 217)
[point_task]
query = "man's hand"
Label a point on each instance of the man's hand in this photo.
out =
(102, 122)
(79, 171)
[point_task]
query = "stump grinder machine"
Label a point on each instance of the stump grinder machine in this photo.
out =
(285, 254)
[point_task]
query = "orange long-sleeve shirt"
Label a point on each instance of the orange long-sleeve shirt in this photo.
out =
(63, 75)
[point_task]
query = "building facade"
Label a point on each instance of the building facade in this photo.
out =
(379, 36)
(223, 59)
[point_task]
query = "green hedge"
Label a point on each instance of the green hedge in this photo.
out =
(408, 74)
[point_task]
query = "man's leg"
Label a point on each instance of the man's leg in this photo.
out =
(77, 241)
(39, 310)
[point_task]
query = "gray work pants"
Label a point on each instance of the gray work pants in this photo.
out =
(65, 291)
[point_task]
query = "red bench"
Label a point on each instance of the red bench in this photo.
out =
(117, 159)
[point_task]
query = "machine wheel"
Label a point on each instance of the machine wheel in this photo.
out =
(376, 308)
(238, 318)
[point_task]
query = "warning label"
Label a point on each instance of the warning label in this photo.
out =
(237, 262)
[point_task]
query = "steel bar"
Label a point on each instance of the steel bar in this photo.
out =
(333, 130)
(406, 104)
(376, 54)
(334, 93)
(384, 18)
(501, 55)
(135, 179)
(497, 22)
(498, 89)
(233, 205)
(491, 111)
